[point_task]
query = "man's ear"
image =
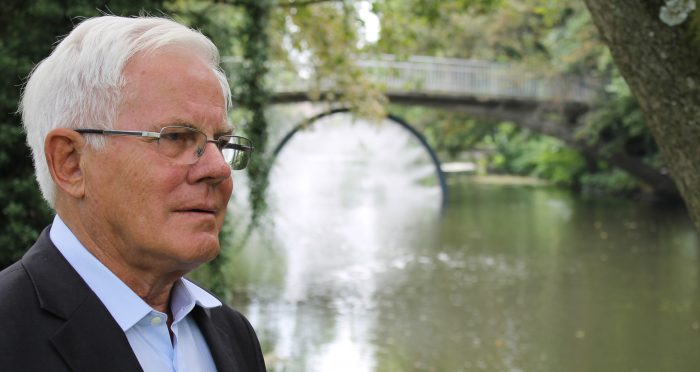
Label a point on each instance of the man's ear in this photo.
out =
(63, 148)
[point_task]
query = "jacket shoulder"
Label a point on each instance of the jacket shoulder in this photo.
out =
(26, 328)
(16, 290)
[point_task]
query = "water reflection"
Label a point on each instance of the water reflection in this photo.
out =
(360, 272)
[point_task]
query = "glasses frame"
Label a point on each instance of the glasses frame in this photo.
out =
(221, 145)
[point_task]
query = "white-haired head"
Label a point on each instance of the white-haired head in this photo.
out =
(80, 83)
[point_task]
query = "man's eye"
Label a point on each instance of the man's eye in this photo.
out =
(182, 137)
(172, 136)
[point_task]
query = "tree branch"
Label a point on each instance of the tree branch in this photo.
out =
(292, 3)
(285, 4)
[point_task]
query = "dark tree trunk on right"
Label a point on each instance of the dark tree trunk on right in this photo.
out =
(661, 64)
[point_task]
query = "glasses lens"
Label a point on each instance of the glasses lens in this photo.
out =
(182, 144)
(236, 151)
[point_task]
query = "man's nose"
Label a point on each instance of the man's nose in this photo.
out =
(211, 166)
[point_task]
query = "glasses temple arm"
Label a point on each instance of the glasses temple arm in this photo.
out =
(119, 132)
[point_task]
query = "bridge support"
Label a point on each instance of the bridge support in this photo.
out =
(394, 119)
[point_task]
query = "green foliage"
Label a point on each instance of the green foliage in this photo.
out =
(609, 181)
(523, 153)
(218, 21)
(327, 50)
(488, 30)
(28, 30)
(618, 124)
(548, 37)
(254, 95)
(448, 132)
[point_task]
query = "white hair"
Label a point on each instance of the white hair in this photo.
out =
(80, 84)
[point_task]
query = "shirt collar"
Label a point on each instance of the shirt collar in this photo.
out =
(186, 295)
(125, 306)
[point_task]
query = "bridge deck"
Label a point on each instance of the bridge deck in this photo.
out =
(446, 80)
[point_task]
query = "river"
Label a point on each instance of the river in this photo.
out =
(358, 268)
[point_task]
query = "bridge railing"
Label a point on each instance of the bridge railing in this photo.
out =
(433, 76)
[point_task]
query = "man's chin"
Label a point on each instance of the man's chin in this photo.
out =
(198, 249)
(199, 221)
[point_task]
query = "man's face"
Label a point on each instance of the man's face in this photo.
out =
(152, 213)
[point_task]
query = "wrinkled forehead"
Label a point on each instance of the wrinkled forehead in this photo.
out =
(172, 87)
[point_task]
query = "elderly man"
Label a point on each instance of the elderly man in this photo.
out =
(127, 122)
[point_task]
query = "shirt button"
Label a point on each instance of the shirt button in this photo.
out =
(156, 320)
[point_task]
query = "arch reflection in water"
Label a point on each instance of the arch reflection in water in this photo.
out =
(344, 196)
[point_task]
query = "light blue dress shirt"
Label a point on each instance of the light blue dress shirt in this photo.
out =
(145, 328)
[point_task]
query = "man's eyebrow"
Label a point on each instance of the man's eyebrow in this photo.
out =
(227, 132)
(180, 123)
(172, 123)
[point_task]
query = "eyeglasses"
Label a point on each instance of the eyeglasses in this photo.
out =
(185, 145)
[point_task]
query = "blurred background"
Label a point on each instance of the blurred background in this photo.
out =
(459, 185)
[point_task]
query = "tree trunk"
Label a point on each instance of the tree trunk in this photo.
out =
(661, 64)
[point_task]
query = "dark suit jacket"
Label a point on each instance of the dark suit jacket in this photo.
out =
(50, 320)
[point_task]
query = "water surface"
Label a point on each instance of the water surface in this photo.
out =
(360, 270)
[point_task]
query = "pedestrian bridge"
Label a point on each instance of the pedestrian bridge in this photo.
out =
(490, 91)
(436, 80)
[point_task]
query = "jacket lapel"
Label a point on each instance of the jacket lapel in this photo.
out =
(90, 339)
(220, 345)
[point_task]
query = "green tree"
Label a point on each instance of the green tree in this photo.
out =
(549, 37)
